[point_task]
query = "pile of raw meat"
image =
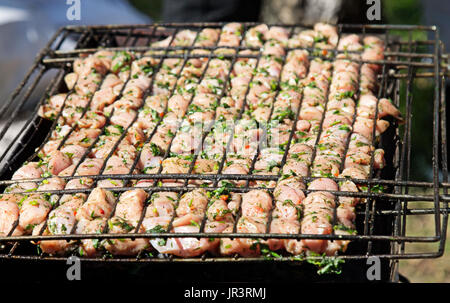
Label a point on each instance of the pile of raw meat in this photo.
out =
(260, 100)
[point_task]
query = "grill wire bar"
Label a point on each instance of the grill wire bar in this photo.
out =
(403, 64)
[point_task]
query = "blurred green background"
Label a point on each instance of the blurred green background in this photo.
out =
(152, 8)
(420, 270)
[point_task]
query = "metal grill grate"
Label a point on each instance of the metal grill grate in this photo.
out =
(381, 221)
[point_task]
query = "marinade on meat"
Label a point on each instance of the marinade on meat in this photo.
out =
(276, 108)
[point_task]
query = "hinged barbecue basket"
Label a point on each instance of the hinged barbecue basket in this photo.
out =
(381, 221)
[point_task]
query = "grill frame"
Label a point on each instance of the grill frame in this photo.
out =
(53, 57)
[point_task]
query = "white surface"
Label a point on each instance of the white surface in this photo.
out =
(10, 14)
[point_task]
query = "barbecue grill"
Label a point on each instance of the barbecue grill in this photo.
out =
(381, 221)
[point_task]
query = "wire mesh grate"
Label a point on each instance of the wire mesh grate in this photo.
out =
(381, 220)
